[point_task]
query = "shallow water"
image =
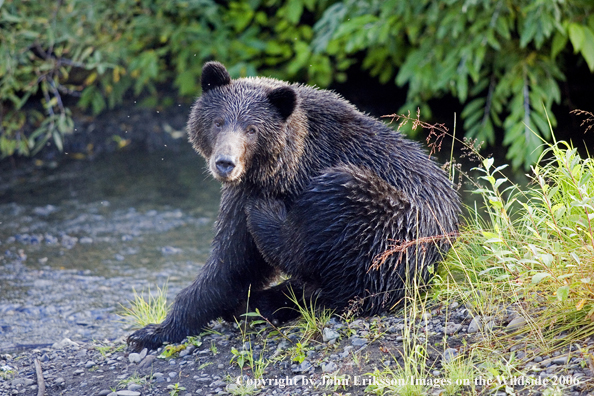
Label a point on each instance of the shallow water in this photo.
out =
(76, 241)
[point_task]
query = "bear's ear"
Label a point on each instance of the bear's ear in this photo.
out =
(214, 75)
(284, 99)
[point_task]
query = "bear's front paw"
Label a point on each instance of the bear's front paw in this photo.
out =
(150, 337)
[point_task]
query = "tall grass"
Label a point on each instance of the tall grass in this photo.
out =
(532, 247)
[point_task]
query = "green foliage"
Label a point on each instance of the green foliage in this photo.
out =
(144, 311)
(534, 246)
(502, 60)
(100, 50)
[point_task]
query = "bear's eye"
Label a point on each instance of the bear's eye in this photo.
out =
(218, 123)
(251, 130)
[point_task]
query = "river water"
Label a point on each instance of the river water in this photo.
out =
(76, 241)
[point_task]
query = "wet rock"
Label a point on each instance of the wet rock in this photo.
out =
(516, 323)
(147, 362)
(449, 355)
(134, 387)
(452, 328)
(356, 341)
(561, 360)
(137, 357)
(304, 367)
(474, 326)
(329, 334)
(127, 393)
(65, 343)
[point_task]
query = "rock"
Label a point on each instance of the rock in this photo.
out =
(305, 366)
(134, 387)
(538, 359)
(452, 328)
(188, 351)
(449, 354)
(90, 364)
(329, 334)
(560, 360)
(137, 357)
(474, 326)
(356, 341)
(516, 323)
(59, 380)
(65, 343)
(127, 393)
(147, 362)
(104, 392)
(329, 367)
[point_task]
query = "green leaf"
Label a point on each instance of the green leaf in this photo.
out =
(587, 48)
(559, 43)
(576, 36)
(563, 293)
(539, 277)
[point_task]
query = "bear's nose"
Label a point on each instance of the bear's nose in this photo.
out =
(225, 165)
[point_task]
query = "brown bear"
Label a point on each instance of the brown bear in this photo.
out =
(312, 188)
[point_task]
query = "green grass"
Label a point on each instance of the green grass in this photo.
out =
(148, 309)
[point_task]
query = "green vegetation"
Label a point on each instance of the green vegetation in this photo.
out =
(535, 248)
(502, 60)
(144, 311)
(133, 379)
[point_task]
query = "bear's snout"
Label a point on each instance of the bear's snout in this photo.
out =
(225, 165)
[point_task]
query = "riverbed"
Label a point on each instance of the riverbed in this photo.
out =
(76, 241)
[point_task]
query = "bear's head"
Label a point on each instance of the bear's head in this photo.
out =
(242, 127)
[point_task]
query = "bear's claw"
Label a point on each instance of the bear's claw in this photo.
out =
(148, 337)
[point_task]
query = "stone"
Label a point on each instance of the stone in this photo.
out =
(516, 323)
(134, 387)
(356, 341)
(474, 326)
(127, 393)
(65, 343)
(147, 362)
(329, 334)
(90, 364)
(449, 355)
(452, 328)
(329, 367)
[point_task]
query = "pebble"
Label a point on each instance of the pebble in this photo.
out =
(452, 328)
(137, 357)
(127, 393)
(449, 354)
(516, 323)
(90, 364)
(329, 335)
(65, 343)
(356, 341)
(305, 366)
(329, 367)
(134, 387)
(147, 362)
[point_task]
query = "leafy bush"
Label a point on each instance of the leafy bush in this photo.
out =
(533, 248)
(99, 50)
(503, 60)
